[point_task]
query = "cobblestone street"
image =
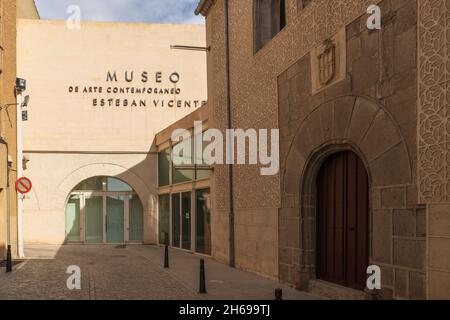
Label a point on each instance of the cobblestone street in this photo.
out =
(132, 272)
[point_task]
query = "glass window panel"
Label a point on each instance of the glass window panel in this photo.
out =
(270, 18)
(164, 167)
(164, 218)
(199, 143)
(183, 175)
(116, 185)
(94, 219)
(136, 219)
(92, 184)
(176, 223)
(186, 220)
(203, 221)
(115, 207)
(73, 219)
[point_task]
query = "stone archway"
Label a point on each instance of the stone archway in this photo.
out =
(145, 194)
(104, 169)
(354, 123)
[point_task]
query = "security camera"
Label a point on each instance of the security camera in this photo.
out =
(21, 84)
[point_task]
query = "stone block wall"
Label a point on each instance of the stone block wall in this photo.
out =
(438, 251)
(372, 112)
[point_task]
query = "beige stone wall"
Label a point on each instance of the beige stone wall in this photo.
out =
(69, 137)
(55, 58)
(8, 128)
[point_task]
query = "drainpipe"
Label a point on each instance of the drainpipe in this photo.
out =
(229, 126)
(8, 209)
(19, 174)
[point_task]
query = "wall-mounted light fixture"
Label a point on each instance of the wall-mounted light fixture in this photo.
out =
(190, 48)
(25, 102)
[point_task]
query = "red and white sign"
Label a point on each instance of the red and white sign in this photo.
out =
(23, 185)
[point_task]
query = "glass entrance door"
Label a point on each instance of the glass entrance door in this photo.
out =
(104, 210)
(73, 215)
(186, 220)
(94, 218)
(203, 221)
(115, 211)
(176, 223)
(181, 220)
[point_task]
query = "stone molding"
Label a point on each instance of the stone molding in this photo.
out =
(433, 101)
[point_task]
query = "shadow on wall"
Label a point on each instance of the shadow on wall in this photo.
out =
(141, 177)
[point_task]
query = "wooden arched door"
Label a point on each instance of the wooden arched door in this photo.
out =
(343, 221)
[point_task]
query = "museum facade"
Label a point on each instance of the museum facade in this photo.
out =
(99, 95)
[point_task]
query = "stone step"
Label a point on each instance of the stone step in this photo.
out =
(334, 291)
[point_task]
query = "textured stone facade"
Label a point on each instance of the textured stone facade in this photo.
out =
(254, 101)
(373, 112)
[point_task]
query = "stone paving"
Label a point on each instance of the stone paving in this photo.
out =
(132, 272)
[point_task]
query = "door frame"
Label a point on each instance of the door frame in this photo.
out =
(346, 247)
(308, 209)
(180, 216)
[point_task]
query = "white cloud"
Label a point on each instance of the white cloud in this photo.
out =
(150, 11)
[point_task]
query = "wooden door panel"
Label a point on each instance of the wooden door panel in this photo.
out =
(342, 220)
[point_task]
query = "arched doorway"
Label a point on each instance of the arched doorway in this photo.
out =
(342, 245)
(104, 210)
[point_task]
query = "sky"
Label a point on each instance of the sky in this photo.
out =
(148, 11)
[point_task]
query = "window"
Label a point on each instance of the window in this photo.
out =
(176, 221)
(116, 185)
(269, 20)
(92, 184)
(180, 175)
(202, 170)
(164, 167)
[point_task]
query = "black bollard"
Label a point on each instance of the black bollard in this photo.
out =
(166, 257)
(8, 260)
(202, 277)
(278, 294)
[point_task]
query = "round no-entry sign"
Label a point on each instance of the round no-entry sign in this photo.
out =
(23, 185)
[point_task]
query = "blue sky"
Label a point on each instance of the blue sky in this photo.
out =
(149, 11)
